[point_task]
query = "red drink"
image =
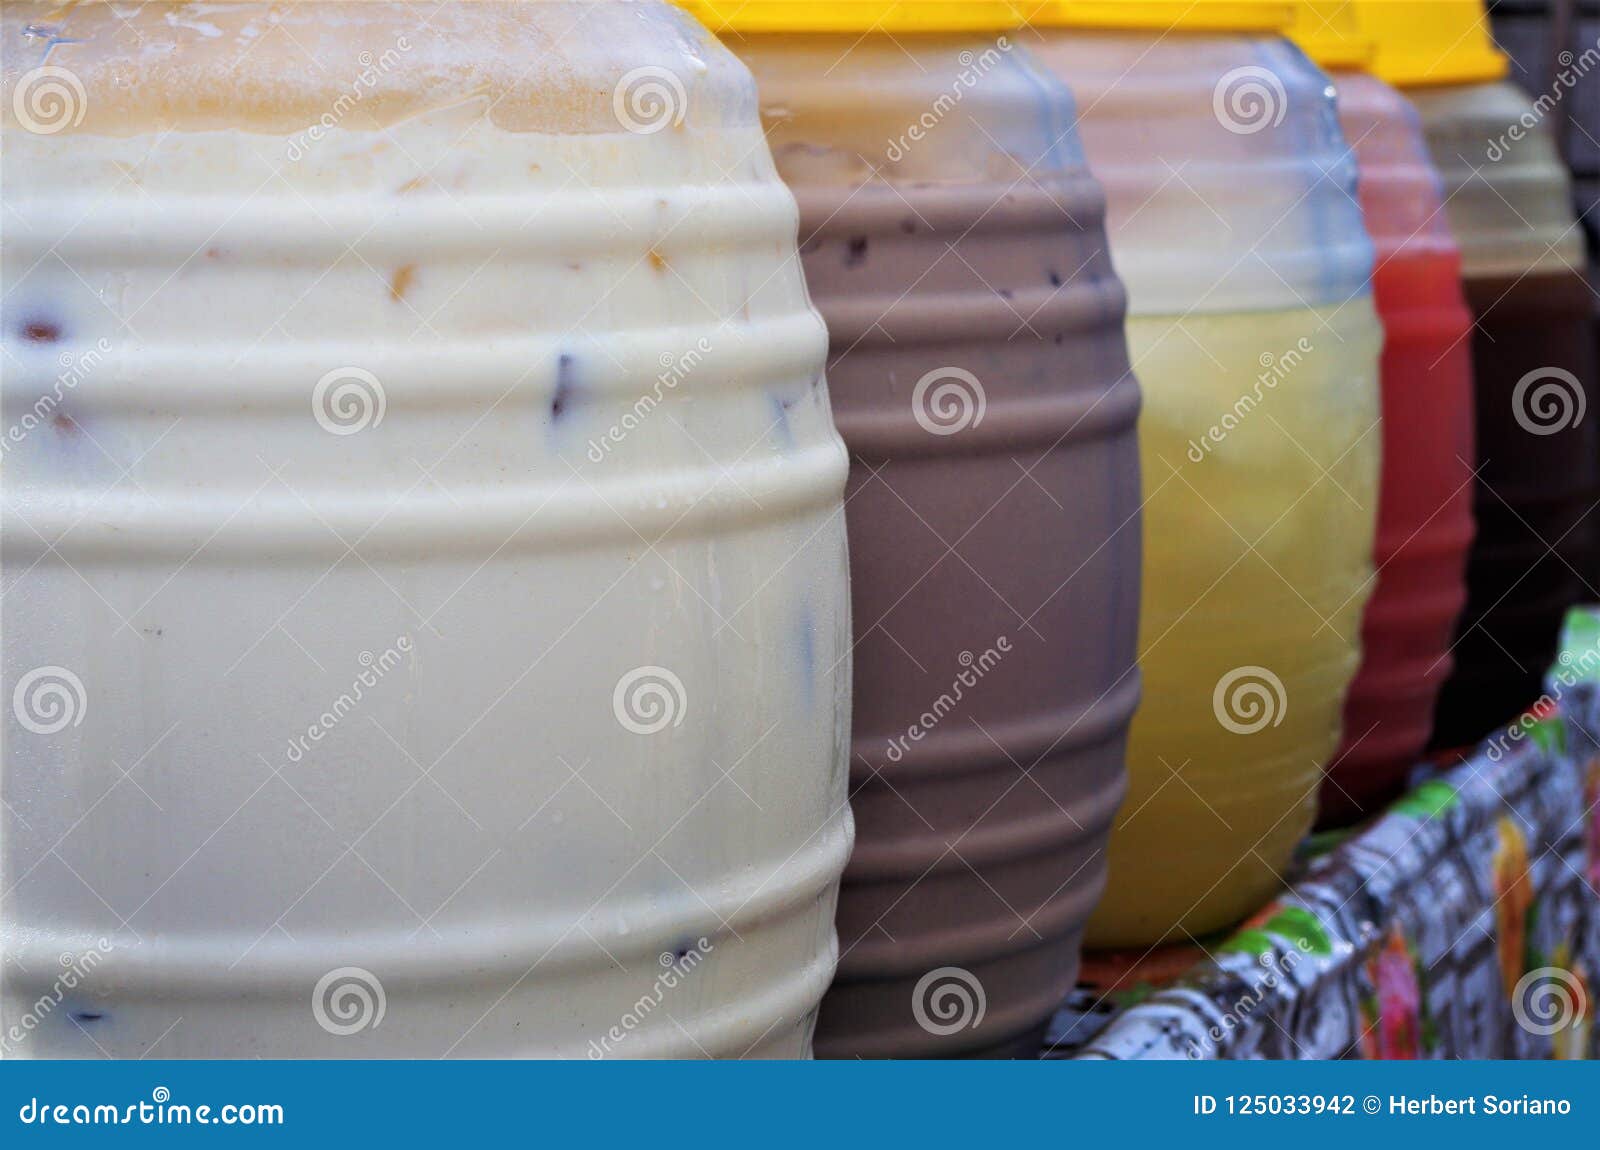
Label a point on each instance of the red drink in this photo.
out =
(1425, 498)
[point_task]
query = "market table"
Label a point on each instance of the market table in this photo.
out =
(1463, 923)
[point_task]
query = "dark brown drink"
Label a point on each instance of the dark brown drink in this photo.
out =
(980, 379)
(1535, 488)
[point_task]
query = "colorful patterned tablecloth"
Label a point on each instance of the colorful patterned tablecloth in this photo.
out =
(1464, 923)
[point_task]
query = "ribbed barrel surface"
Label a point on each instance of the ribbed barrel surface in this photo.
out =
(954, 243)
(437, 554)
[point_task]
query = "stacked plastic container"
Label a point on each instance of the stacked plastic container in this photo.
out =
(953, 239)
(1507, 196)
(425, 602)
(1234, 224)
(1425, 499)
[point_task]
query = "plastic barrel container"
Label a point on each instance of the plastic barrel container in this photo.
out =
(426, 597)
(1425, 497)
(1507, 196)
(1554, 47)
(954, 242)
(1233, 221)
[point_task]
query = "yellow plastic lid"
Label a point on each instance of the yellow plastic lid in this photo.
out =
(1167, 15)
(1424, 42)
(860, 15)
(1328, 32)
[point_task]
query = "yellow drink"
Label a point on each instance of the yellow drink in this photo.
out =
(1259, 443)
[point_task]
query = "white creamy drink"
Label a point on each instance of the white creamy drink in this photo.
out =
(425, 606)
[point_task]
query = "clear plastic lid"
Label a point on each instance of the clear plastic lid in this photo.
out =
(1507, 193)
(551, 66)
(1400, 188)
(952, 109)
(1229, 183)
